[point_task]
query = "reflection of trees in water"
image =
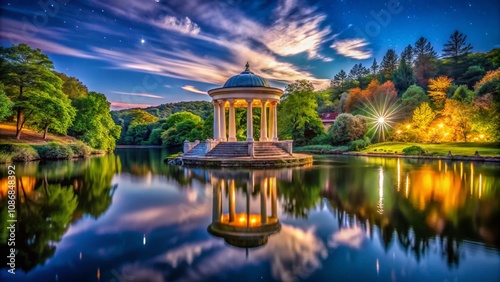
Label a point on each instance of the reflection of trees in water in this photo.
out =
(56, 195)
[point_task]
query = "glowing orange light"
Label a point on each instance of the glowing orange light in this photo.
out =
(399, 131)
(407, 126)
(440, 125)
(481, 136)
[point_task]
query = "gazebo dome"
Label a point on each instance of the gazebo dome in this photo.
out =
(246, 79)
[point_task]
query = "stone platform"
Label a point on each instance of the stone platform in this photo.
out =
(273, 161)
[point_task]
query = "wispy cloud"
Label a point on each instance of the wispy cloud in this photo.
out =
(185, 25)
(139, 94)
(352, 48)
(120, 105)
(191, 88)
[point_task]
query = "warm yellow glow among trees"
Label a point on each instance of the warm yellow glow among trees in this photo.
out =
(437, 90)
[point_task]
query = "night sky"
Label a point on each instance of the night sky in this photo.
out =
(150, 52)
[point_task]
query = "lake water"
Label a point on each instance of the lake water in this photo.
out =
(129, 217)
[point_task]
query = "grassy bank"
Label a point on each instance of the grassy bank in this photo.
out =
(442, 149)
(51, 151)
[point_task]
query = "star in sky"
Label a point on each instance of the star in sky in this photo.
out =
(202, 43)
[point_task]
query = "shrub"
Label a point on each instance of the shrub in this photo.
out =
(54, 150)
(413, 150)
(80, 149)
(360, 144)
(5, 158)
(19, 153)
(323, 139)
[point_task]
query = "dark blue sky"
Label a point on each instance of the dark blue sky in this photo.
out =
(149, 52)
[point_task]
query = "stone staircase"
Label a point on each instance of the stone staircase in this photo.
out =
(229, 149)
(267, 149)
(198, 150)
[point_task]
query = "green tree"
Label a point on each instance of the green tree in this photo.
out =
(347, 128)
(463, 94)
(407, 55)
(5, 104)
(473, 75)
(298, 118)
(93, 123)
(413, 97)
(456, 48)
(389, 64)
(180, 127)
(72, 87)
(375, 67)
(403, 77)
(25, 72)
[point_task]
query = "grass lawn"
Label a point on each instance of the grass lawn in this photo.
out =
(457, 149)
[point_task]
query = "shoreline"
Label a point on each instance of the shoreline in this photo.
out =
(494, 159)
(138, 147)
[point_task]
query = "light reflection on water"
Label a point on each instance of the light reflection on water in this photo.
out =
(129, 216)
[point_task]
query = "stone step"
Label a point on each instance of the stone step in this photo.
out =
(229, 149)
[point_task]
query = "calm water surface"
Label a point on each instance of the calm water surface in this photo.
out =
(129, 217)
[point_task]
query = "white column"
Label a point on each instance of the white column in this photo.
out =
(275, 122)
(263, 202)
(232, 122)
(216, 120)
(270, 132)
(222, 117)
(249, 121)
(263, 121)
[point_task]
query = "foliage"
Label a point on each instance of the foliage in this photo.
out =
(322, 139)
(463, 94)
(438, 88)
(72, 87)
(5, 104)
(458, 117)
(414, 150)
(93, 123)
(28, 77)
(389, 64)
(80, 149)
(347, 128)
(298, 118)
(199, 108)
(20, 153)
(359, 144)
(423, 116)
(54, 150)
(182, 126)
(413, 97)
(456, 48)
(425, 59)
(403, 77)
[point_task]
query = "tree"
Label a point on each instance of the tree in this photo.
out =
(72, 87)
(438, 88)
(456, 48)
(5, 104)
(93, 123)
(424, 61)
(463, 94)
(407, 55)
(413, 97)
(357, 72)
(458, 116)
(182, 126)
(356, 97)
(389, 64)
(26, 72)
(385, 92)
(403, 77)
(374, 68)
(423, 116)
(473, 75)
(297, 111)
(347, 128)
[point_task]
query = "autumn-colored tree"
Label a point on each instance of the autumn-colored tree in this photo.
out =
(458, 117)
(438, 87)
(489, 83)
(386, 91)
(356, 97)
(423, 115)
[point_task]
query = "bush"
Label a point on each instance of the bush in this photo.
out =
(323, 139)
(19, 153)
(360, 144)
(54, 150)
(80, 149)
(413, 150)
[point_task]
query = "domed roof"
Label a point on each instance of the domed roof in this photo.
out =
(246, 79)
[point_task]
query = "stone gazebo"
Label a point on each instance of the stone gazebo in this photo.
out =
(245, 90)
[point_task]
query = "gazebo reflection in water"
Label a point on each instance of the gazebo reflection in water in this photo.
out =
(244, 211)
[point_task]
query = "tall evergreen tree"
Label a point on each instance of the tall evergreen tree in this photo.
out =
(403, 77)
(389, 64)
(407, 55)
(456, 48)
(424, 61)
(375, 67)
